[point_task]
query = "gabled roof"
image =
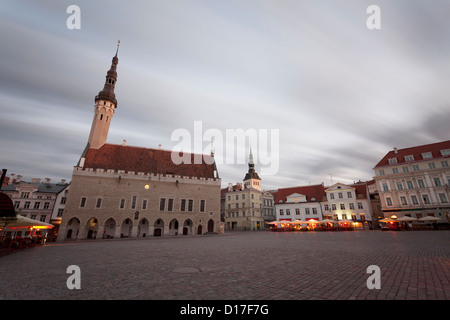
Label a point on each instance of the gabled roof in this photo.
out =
(316, 192)
(42, 187)
(434, 148)
(139, 159)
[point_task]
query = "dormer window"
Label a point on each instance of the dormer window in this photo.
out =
(392, 160)
(445, 152)
(409, 158)
(427, 155)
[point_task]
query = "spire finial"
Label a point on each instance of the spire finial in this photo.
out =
(250, 158)
(118, 44)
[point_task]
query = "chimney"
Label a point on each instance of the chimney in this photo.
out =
(19, 178)
(159, 147)
(47, 180)
(395, 150)
(35, 180)
(63, 180)
(124, 142)
(11, 178)
(230, 187)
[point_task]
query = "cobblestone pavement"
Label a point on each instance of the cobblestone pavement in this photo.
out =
(240, 265)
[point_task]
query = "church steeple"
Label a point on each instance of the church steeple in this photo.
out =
(251, 179)
(105, 105)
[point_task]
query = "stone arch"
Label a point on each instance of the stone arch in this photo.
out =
(158, 228)
(187, 227)
(91, 228)
(127, 226)
(109, 228)
(211, 225)
(200, 229)
(173, 227)
(143, 228)
(72, 228)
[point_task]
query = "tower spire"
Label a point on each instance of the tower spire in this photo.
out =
(111, 78)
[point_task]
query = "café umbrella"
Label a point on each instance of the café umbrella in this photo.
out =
(429, 218)
(21, 222)
(406, 219)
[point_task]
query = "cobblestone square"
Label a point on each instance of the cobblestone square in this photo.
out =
(237, 265)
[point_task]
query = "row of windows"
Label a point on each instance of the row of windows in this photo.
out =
(164, 204)
(415, 168)
(410, 184)
(425, 156)
(297, 211)
(341, 195)
(243, 205)
(351, 206)
(27, 205)
(26, 195)
(252, 196)
(238, 214)
(414, 200)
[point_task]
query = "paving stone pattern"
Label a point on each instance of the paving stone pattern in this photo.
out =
(237, 265)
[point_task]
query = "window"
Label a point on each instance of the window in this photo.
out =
(385, 187)
(162, 204)
(314, 210)
(306, 210)
(399, 186)
(409, 158)
(431, 165)
(63, 200)
(437, 182)
(416, 167)
(389, 201)
(420, 183)
(190, 205)
(444, 164)
(253, 196)
(405, 169)
(36, 205)
(409, 184)
(170, 205)
(392, 160)
(331, 195)
(395, 170)
(381, 172)
(427, 155)
(60, 212)
(237, 197)
(27, 205)
(351, 205)
(281, 212)
(43, 217)
(243, 196)
(97, 205)
(288, 212)
(333, 206)
(122, 204)
(83, 203)
(443, 198)
(426, 199)
(360, 205)
(202, 205)
(445, 152)
(344, 216)
(183, 205)
(403, 201)
(349, 195)
(25, 195)
(133, 202)
(16, 204)
(340, 195)
(297, 211)
(414, 200)
(342, 206)
(326, 207)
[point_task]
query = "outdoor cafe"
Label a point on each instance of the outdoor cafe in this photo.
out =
(312, 225)
(410, 223)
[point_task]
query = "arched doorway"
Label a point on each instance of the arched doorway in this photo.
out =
(91, 228)
(73, 227)
(143, 228)
(125, 231)
(158, 228)
(210, 225)
(110, 229)
(200, 229)
(173, 227)
(187, 227)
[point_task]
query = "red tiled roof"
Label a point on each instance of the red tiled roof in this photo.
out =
(316, 191)
(139, 159)
(360, 190)
(434, 148)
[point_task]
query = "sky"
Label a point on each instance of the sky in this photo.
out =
(331, 95)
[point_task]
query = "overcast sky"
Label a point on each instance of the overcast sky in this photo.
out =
(340, 95)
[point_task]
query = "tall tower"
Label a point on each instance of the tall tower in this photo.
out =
(251, 179)
(105, 104)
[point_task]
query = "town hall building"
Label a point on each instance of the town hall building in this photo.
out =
(128, 191)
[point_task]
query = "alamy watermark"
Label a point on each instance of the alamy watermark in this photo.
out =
(229, 147)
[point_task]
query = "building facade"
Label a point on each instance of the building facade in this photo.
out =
(127, 191)
(415, 181)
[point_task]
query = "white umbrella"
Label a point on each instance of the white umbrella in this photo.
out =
(429, 218)
(406, 218)
(328, 221)
(387, 220)
(23, 222)
(298, 222)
